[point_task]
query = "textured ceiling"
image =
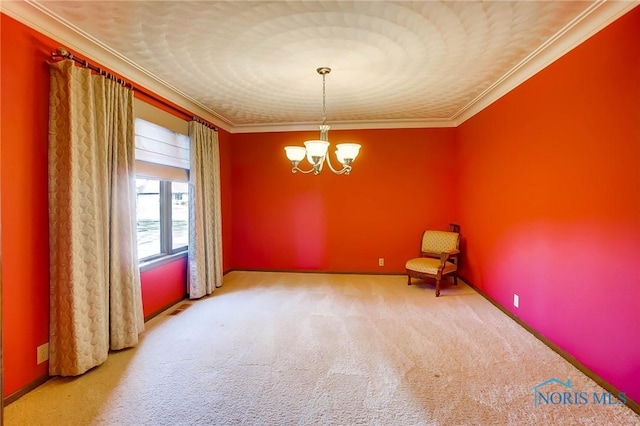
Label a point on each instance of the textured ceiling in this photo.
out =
(253, 64)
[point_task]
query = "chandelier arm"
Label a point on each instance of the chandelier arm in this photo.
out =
(345, 169)
(295, 169)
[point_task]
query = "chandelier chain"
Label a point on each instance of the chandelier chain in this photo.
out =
(324, 104)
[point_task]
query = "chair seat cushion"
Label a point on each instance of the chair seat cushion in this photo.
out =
(427, 265)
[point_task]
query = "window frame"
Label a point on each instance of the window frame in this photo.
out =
(169, 205)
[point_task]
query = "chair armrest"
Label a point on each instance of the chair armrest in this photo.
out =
(451, 253)
(443, 256)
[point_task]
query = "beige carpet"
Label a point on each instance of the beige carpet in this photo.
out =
(314, 349)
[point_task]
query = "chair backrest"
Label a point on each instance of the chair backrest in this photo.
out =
(440, 241)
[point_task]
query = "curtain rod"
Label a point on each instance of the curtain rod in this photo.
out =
(204, 123)
(63, 53)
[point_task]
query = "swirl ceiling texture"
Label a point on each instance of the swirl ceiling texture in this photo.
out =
(251, 66)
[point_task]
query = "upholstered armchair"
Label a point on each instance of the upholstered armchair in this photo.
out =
(438, 258)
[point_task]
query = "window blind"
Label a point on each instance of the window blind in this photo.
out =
(160, 152)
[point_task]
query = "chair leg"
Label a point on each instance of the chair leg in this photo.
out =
(437, 288)
(455, 280)
(408, 279)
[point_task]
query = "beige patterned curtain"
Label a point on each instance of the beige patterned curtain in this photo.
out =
(205, 217)
(96, 302)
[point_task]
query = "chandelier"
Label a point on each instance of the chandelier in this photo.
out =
(316, 151)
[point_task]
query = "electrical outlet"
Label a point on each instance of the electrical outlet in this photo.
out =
(516, 300)
(381, 261)
(42, 353)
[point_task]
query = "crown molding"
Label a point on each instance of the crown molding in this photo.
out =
(35, 16)
(344, 125)
(592, 20)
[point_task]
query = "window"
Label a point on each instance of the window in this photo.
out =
(162, 213)
(162, 191)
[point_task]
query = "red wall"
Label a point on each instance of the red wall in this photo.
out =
(25, 248)
(402, 182)
(226, 184)
(163, 286)
(549, 202)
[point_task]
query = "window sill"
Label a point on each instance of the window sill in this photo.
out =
(155, 263)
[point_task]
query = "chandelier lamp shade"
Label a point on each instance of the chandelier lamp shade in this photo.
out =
(316, 151)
